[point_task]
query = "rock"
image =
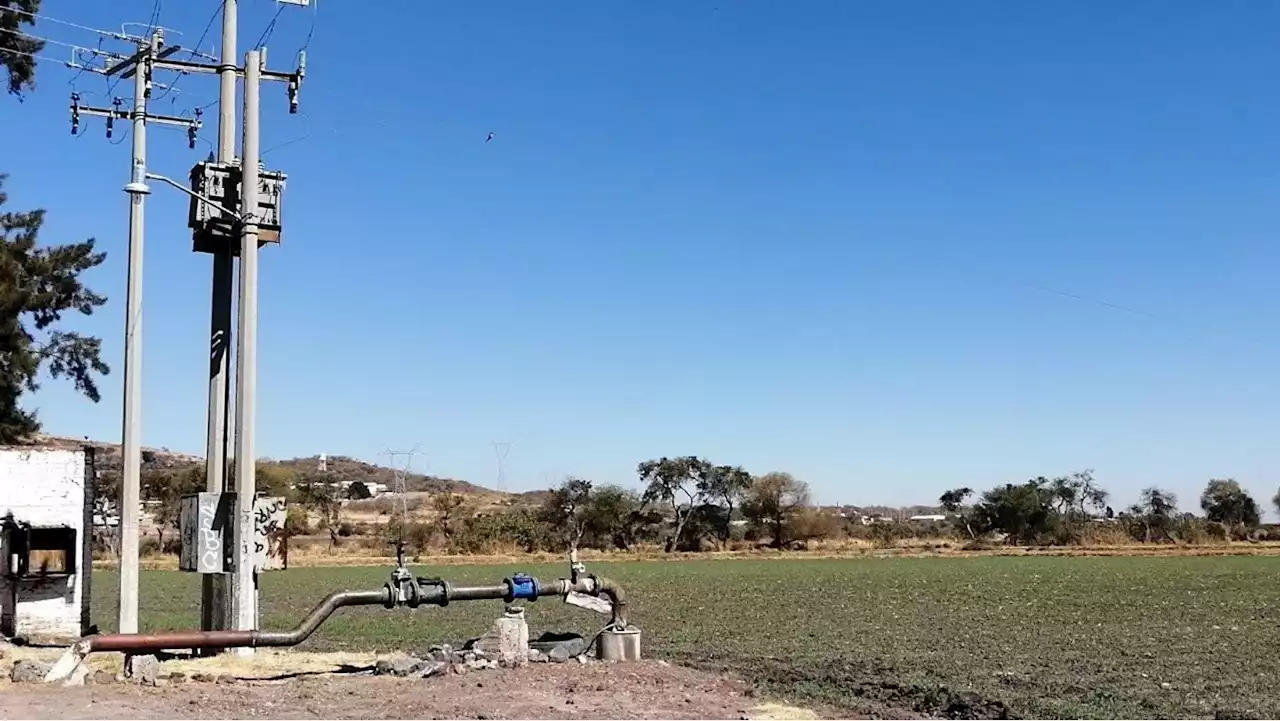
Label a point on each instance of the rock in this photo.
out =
(26, 671)
(442, 653)
(143, 669)
(226, 679)
(536, 656)
(397, 666)
(560, 647)
(433, 668)
(102, 678)
(583, 659)
(177, 678)
(470, 657)
(459, 669)
(203, 678)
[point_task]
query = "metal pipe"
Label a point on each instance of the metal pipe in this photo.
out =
(429, 591)
(233, 639)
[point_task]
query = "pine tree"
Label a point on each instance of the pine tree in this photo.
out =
(17, 47)
(38, 284)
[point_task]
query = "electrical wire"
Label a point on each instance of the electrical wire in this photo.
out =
(38, 56)
(155, 17)
(51, 41)
(193, 50)
(270, 29)
(315, 11)
(77, 26)
(84, 65)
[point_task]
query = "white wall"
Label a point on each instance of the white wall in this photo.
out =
(46, 487)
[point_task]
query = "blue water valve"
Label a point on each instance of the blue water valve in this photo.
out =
(523, 586)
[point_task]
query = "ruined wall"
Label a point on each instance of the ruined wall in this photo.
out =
(46, 487)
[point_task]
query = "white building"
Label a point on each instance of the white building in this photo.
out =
(46, 514)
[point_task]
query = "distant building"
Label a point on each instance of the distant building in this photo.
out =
(929, 518)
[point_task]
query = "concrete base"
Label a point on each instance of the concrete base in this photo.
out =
(615, 645)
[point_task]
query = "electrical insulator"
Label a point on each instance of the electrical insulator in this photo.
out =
(146, 65)
(75, 113)
(111, 124)
(293, 96)
(193, 129)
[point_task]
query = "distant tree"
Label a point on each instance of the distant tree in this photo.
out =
(358, 491)
(1275, 501)
(275, 480)
(953, 502)
(1224, 501)
(1076, 495)
(812, 524)
(1024, 512)
(773, 501)
(38, 284)
(1155, 515)
(565, 510)
(726, 486)
(17, 45)
(706, 521)
(678, 482)
(451, 512)
(612, 517)
(317, 491)
(168, 487)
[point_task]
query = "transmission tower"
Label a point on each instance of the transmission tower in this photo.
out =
(401, 464)
(501, 450)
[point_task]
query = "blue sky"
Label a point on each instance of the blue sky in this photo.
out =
(865, 242)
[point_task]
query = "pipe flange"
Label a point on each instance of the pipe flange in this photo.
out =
(413, 599)
(392, 595)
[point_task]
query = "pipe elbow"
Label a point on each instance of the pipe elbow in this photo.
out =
(617, 598)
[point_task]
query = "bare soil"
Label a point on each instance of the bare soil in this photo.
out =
(540, 691)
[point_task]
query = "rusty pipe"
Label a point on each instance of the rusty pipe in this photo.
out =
(132, 642)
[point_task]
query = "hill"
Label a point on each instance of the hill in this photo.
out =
(340, 468)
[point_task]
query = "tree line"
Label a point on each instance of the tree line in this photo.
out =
(1074, 509)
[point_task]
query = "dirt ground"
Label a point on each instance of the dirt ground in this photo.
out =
(650, 689)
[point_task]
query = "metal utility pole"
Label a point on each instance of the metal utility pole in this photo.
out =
(246, 581)
(215, 593)
(140, 66)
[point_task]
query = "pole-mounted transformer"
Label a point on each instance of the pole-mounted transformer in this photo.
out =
(216, 231)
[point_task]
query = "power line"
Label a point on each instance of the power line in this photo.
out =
(77, 26)
(28, 36)
(155, 17)
(271, 27)
(38, 56)
(194, 50)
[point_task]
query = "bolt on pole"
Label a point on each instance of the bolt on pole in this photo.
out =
(247, 355)
(131, 443)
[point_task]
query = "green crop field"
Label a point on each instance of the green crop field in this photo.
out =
(1060, 637)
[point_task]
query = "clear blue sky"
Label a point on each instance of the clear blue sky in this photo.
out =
(834, 238)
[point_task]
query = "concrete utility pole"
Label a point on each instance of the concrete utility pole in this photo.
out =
(246, 583)
(140, 66)
(215, 594)
(131, 443)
